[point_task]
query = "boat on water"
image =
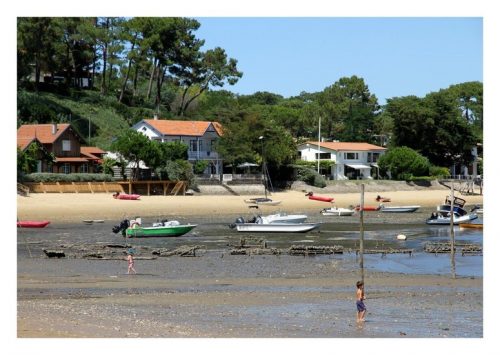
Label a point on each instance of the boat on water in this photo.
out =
(134, 229)
(276, 227)
(443, 213)
(337, 211)
(398, 209)
(263, 201)
(122, 196)
(471, 225)
(32, 224)
(319, 198)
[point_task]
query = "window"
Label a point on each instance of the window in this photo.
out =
(66, 168)
(323, 156)
(84, 168)
(193, 146)
(66, 145)
(350, 156)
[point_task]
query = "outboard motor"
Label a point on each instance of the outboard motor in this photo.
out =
(121, 227)
(238, 220)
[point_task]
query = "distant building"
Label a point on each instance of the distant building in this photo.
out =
(65, 144)
(199, 136)
(353, 160)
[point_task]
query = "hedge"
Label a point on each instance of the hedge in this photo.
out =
(52, 177)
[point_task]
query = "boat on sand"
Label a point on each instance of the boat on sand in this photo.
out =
(32, 224)
(122, 196)
(337, 211)
(398, 209)
(312, 196)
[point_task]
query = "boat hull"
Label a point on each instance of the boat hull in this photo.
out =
(277, 227)
(127, 197)
(399, 209)
(321, 198)
(471, 225)
(170, 231)
(284, 218)
(32, 224)
(263, 201)
(368, 208)
(337, 212)
(456, 220)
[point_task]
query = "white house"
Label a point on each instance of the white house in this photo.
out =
(199, 136)
(352, 160)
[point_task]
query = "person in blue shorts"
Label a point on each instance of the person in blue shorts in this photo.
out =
(360, 305)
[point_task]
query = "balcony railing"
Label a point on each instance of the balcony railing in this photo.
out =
(203, 154)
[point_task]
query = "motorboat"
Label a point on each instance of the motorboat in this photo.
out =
(276, 227)
(398, 209)
(319, 198)
(444, 218)
(337, 211)
(283, 217)
(165, 228)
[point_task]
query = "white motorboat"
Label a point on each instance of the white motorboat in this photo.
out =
(398, 209)
(276, 227)
(282, 217)
(443, 218)
(336, 211)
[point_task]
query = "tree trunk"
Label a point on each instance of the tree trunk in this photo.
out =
(124, 85)
(104, 59)
(37, 72)
(188, 102)
(151, 77)
(136, 75)
(159, 84)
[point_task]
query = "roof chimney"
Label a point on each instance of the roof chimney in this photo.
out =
(54, 128)
(155, 116)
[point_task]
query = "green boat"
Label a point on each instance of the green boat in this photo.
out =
(168, 230)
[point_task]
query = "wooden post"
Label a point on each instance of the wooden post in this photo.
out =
(452, 232)
(361, 233)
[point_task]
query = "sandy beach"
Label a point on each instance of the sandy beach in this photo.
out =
(59, 207)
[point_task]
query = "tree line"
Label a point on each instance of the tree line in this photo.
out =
(160, 64)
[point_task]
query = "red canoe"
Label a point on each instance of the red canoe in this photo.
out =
(32, 224)
(368, 208)
(126, 196)
(319, 198)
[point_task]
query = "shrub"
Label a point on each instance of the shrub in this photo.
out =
(403, 163)
(438, 171)
(78, 177)
(309, 176)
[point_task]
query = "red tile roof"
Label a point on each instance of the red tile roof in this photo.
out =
(23, 142)
(71, 160)
(42, 132)
(91, 150)
(184, 128)
(347, 146)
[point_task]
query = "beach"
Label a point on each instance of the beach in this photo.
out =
(219, 295)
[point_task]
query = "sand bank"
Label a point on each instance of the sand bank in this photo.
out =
(75, 207)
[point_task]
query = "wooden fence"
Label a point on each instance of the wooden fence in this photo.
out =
(139, 187)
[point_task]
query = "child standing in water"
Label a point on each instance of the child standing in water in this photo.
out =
(360, 305)
(130, 260)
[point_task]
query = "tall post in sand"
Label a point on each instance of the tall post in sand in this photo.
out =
(452, 231)
(361, 232)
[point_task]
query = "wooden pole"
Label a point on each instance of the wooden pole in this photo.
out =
(361, 233)
(452, 231)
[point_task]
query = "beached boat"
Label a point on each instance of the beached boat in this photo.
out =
(263, 201)
(398, 209)
(336, 211)
(32, 224)
(92, 221)
(319, 198)
(382, 199)
(283, 217)
(367, 208)
(134, 229)
(276, 227)
(122, 196)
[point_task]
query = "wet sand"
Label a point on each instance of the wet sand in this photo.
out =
(217, 295)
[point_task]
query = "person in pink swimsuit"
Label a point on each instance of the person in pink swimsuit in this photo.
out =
(130, 260)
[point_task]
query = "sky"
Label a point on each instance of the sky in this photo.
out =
(395, 56)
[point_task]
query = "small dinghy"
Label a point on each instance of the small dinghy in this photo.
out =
(32, 224)
(122, 196)
(312, 196)
(336, 211)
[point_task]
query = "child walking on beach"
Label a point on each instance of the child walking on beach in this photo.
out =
(130, 259)
(360, 305)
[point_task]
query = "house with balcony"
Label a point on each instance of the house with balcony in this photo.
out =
(65, 145)
(352, 160)
(199, 136)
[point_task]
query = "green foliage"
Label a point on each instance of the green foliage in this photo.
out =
(309, 176)
(403, 163)
(79, 177)
(439, 171)
(200, 166)
(179, 170)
